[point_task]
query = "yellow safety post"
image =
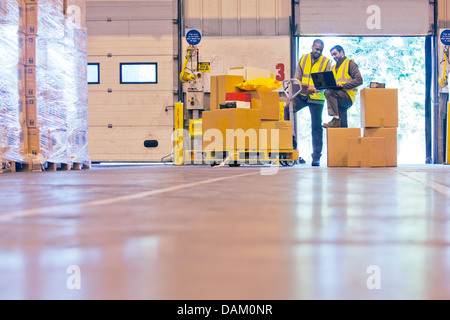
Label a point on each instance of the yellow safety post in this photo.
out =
(178, 152)
(196, 134)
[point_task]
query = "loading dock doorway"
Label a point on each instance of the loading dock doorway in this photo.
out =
(399, 62)
(388, 40)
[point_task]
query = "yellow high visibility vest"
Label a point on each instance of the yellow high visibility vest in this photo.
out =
(342, 76)
(319, 66)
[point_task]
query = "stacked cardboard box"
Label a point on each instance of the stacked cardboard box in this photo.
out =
(366, 152)
(376, 146)
(51, 80)
(13, 142)
(27, 33)
(379, 118)
(260, 125)
(337, 145)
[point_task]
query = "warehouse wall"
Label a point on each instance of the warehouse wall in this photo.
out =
(123, 116)
(248, 32)
(238, 17)
(444, 13)
(237, 33)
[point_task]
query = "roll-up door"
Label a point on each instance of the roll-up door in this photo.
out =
(363, 17)
(131, 44)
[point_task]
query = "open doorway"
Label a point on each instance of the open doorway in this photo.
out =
(399, 62)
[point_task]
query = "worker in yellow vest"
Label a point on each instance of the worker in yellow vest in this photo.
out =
(347, 75)
(310, 97)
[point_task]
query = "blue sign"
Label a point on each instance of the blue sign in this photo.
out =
(445, 37)
(193, 37)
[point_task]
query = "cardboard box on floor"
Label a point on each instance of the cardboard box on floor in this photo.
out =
(390, 134)
(366, 152)
(379, 107)
(244, 125)
(220, 86)
(337, 145)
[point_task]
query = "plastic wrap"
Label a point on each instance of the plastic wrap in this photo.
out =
(12, 113)
(43, 104)
(61, 87)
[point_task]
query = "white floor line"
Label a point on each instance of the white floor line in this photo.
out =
(107, 201)
(436, 186)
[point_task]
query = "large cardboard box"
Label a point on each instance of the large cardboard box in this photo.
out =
(34, 141)
(31, 18)
(366, 152)
(268, 102)
(390, 134)
(337, 145)
(379, 107)
(30, 81)
(30, 50)
(249, 72)
(242, 125)
(285, 133)
(31, 111)
(220, 86)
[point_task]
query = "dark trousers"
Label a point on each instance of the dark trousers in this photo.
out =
(338, 102)
(315, 110)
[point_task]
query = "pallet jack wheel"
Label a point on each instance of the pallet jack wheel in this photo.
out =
(291, 163)
(283, 163)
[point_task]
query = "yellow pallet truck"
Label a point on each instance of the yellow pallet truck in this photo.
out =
(286, 158)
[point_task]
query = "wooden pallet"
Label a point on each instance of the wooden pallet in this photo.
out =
(52, 166)
(8, 166)
(242, 156)
(30, 165)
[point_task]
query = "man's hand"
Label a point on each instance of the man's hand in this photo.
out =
(304, 88)
(311, 89)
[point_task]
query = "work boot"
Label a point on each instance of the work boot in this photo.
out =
(335, 123)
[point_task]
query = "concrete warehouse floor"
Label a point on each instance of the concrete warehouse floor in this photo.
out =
(197, 232)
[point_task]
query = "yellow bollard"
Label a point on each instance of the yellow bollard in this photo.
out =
(178, 158)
